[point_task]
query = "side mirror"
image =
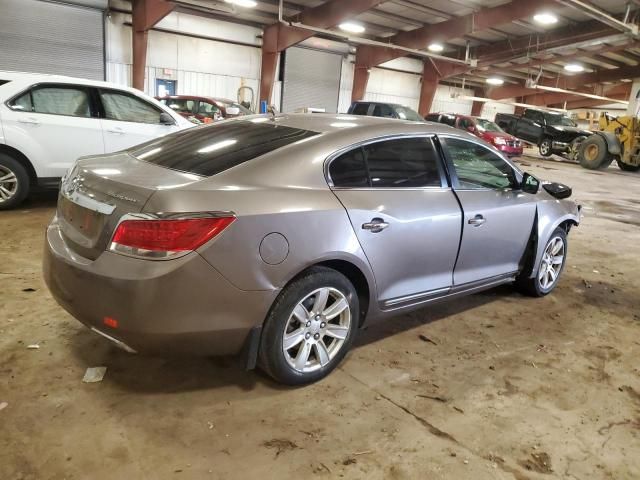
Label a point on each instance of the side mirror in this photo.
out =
(233, 111)
(530, 184)
(166, 119)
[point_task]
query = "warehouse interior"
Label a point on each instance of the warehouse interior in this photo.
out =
(493, 385)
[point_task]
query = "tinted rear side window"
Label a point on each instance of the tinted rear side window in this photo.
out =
(360, 109)
(349, 170)
(383, 110)
(211, 149)
(403, 163)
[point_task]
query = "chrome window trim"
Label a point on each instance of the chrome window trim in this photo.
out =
(363, 143)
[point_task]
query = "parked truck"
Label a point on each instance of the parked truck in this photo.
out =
(551, 132)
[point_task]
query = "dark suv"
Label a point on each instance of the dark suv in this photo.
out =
(387, 110)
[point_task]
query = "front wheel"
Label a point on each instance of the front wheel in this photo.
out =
(310, 327)
(549, 269)
(546, 147)
(14, 182)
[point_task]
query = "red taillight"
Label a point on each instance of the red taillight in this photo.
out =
(166, 236)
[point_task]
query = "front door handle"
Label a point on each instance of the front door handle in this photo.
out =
(376, 225)
(477, 220)
(30, 120)
(115, 130)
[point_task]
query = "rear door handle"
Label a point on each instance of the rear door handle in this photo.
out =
(115, 130)
(376, 225)
(477, 220)
(30, 120)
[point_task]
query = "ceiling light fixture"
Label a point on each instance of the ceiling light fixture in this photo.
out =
(436, 47)
(574, 67)
(243, 3)
(351, 27)
(494, 81)
(545, 18)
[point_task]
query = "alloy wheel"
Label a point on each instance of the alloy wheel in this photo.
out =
(545, 147)
(316, 329)
(8, 184)
(551, 264)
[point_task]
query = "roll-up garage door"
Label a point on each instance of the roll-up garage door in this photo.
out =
(46, 37)
(311, 79)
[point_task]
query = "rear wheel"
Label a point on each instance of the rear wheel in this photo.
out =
(626, 167)
(545, 147)
(14, 182)
(594, 153)
(310, 327)
(549, 269)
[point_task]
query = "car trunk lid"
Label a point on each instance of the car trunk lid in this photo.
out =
(100, 190)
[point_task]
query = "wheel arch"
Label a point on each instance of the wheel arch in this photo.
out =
(545, 229)
(611, 141)
(23, 160)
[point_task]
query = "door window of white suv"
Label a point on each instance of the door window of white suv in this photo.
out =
(56, 100)
(128, 108)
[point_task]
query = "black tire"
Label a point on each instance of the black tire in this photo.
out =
(272, 358)
(626, 167)
(545, 147)
(532, 286)
(594, 154)
(15, 191)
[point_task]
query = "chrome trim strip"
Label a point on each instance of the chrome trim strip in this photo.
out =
(415, 296)
(88, 202)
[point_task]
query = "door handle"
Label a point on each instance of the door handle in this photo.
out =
(30, 120)
(117, 131)
(376, 225)
(477, 220)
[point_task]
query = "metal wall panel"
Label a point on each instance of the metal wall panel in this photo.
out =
(311, 79)
(45, 37)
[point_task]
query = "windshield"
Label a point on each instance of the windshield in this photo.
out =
(487, 125)
(407, 114)
(557, 119)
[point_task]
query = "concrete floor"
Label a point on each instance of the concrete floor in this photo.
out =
(509, 387)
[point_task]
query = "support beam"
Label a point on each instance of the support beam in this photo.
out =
(144, 15)
(279, 36)
(368, 56)
(568, 82)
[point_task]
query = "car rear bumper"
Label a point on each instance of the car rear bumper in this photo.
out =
(182, 306)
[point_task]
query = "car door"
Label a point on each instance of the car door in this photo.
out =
(53, 125)
(129, 120)
(405, 216)
(530, 126)
(497, 216)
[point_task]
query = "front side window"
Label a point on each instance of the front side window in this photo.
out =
(407, 114)
(397, 163)
(209, 110)
(478, 167)
(128, 108)
(56, 100)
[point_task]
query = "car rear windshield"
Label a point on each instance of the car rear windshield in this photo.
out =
(211, 149)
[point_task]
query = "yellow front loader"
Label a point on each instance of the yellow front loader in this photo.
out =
(618, 139)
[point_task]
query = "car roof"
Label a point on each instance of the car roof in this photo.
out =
(352, 124)
(198, 97)
(380, 103)
(30, 77)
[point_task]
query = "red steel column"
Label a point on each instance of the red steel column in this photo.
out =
(476, 107)
(430, 80)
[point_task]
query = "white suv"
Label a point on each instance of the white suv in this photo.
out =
(47, 122)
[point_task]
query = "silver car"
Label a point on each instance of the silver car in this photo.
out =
(278, 237)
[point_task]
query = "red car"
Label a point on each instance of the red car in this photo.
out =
(490, 133)
(485, 129)
(204, 109)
